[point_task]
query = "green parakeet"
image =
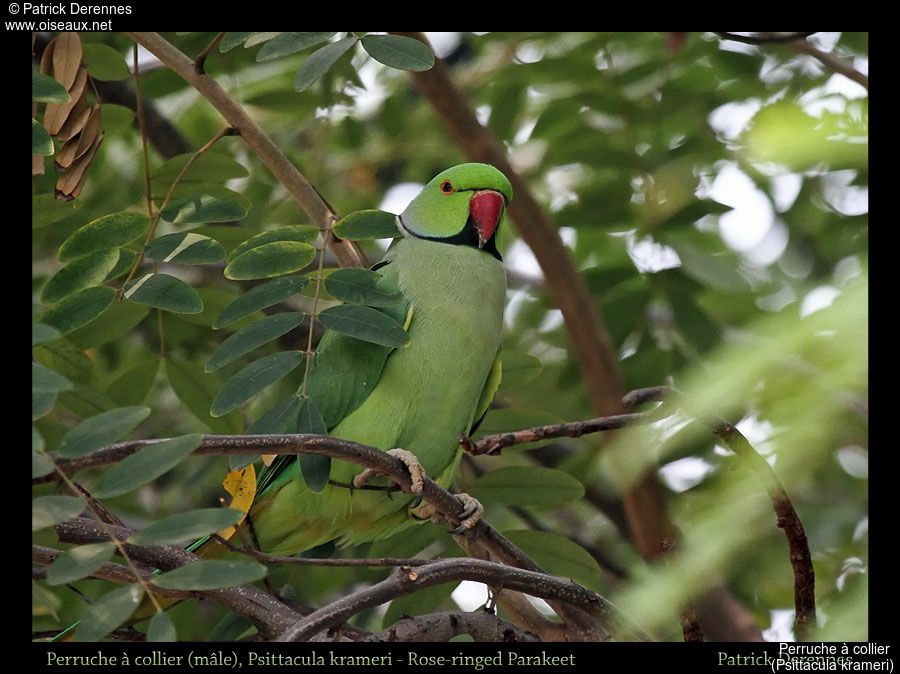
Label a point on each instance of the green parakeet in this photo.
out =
(420, 397)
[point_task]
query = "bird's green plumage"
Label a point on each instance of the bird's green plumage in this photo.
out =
(424, 395)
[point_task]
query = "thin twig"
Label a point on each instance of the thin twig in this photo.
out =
(280, 166)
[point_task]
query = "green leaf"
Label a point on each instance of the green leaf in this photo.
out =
(132, 386)
(110, 231)
(254, 378)
(187, 526)
(260, 297)
(47, 209)
(708, 269)
(41, 403)
(41, 143)
(518, 368)
(289, 43)
(211, 575)
(41, 334)
(364, 323)
(253, 336)
(107, 613)
(302, 233)
(280, 419)
(196, 391)
(318, 63)
(47, 381)
(41, 464)
(164, 292)
(79, 562)
(83, 272)
(367, 224)
(161, 628)
(103, 62)
(559, 556)
(79, 308)
(356, 285)
(232, 40)
(116, 118)
(270, 259)
(101, 430)
(49, 510)
(193, 209)
(213, 167)
(399, 51)
(146, 465)
(527, 485)
(315, 469)
(45, 89)
(115, 322)
(185, 248)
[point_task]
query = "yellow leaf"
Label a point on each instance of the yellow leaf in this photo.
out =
(241, 484)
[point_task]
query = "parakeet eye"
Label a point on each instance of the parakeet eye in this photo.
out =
(446, 187)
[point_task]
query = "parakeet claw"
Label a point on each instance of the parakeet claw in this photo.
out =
(470, 515)
(416, 473)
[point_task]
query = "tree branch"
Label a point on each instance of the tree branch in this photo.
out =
(444, 625)
(407, 580)
(270, 615)
(306, 195)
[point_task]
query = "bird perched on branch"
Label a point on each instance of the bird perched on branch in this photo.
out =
(421, 397)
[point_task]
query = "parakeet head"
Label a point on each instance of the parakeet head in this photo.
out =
(462, 206)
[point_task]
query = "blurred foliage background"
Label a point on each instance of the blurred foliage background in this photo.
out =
(712, 195)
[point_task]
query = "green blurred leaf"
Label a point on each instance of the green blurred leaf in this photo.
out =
(182, 527)
(254, 378)
(367, 224)
(193, 209)
(101, 430)
(356, 285)
(45, 89)
(79, 308)
(164, 292)
(318, 63)
(315, 469)
(260, 297)
(212, 166)
(49, 510)
(145, 466)
(252, 336)
(211, 575)
(559, 556)
(103, 62)
(302, 233)
(364, 323)
(399, 51)
(41, 333)
(289, 43)
(196, 390)
(47, 381)
(270, 259)
(41, 143)
(527, 485)
(185, 248)
(79, 562)
(89, 270)
(108, 612)
(161, 628)
(109, 231)
(118, 320)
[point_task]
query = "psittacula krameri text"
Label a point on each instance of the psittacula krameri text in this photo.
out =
(420, 397)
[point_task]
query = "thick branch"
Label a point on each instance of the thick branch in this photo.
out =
(306, 195)
(407, 580)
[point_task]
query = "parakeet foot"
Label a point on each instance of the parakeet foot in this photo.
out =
(416, 473)
(470, 515)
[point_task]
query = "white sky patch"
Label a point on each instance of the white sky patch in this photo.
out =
(469, 595)
(744, 227)
(781, 626)
(685, 473)
(397, 198)
(818, 298)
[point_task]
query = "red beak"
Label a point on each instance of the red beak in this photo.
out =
(486, 207)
